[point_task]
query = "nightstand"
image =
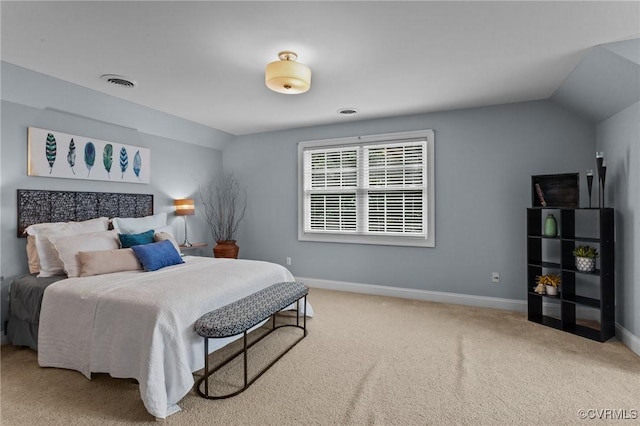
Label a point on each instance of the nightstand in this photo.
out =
(191, 249)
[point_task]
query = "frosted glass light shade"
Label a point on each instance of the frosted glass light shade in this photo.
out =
(287, 76)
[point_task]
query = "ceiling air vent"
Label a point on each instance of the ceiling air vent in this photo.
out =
(118, 80)
(347, 111)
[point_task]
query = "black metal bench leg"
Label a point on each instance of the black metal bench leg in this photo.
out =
(245, 359)
(206, 366)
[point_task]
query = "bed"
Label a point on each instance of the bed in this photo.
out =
(135, 323)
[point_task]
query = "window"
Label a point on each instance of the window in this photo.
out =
(370, 189)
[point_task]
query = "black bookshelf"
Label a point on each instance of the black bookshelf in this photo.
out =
(600, 223)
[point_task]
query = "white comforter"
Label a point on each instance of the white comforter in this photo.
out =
(140, 324)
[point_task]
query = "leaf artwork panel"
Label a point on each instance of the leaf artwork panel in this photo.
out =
(89, 155)
(51, 151)
(43, 152)
(107, 158)
(124, 160)
(71, 156)
(137, 164)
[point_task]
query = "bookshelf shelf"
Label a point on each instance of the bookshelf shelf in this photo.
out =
(570, 299)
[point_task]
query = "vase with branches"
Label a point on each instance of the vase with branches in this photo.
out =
(224, 205)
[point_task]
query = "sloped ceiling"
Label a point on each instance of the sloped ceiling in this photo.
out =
(204, 60)
(629, 49)
(606, 81)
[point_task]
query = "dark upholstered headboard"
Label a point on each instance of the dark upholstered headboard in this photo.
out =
(37, 206)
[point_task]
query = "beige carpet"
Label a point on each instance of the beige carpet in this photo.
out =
(369, 360)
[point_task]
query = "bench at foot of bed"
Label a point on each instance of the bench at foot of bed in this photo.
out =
(240, 316)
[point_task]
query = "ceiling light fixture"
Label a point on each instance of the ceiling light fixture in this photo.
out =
(287, 76)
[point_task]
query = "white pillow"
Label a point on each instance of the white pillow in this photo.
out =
(134, 225)
(68, 247)
(50, 264)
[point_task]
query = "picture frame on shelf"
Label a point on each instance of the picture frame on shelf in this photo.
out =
(556, 190)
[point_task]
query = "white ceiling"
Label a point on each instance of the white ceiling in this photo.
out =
(204, 61)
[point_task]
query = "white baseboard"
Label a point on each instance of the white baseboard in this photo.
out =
(417, 294)
(628, 339)
(625, 336)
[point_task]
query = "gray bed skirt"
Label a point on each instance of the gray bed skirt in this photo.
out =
(25, 300)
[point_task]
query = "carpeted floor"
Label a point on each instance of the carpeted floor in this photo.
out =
(370, 360)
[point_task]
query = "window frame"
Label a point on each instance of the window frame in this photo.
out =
(428, 202)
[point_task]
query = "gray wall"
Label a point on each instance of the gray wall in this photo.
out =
(178, 159)
(605, 87)
(619, 138)
(484, 161)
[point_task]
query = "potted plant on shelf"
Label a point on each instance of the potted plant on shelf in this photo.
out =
(548, 284)
(585, 258)
(224, 209)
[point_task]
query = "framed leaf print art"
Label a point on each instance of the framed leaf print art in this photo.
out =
(61, 155)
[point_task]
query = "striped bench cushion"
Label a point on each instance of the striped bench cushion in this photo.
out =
(243, 314)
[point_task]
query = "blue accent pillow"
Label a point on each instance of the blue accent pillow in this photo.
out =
(130, 240)
(158, 255)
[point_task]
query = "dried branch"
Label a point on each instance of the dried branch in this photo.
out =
(223, 207)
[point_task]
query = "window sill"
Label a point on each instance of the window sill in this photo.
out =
(367, 239)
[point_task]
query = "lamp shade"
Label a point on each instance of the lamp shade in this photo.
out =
(184, 207)
(287, 76)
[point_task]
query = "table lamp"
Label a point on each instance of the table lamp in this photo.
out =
(185, 207)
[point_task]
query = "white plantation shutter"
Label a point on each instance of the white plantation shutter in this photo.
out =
(395, 186)
(331, 180)
(371, 188)
(332, 212)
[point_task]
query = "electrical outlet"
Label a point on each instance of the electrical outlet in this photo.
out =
(288, 261)
(495, 277)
